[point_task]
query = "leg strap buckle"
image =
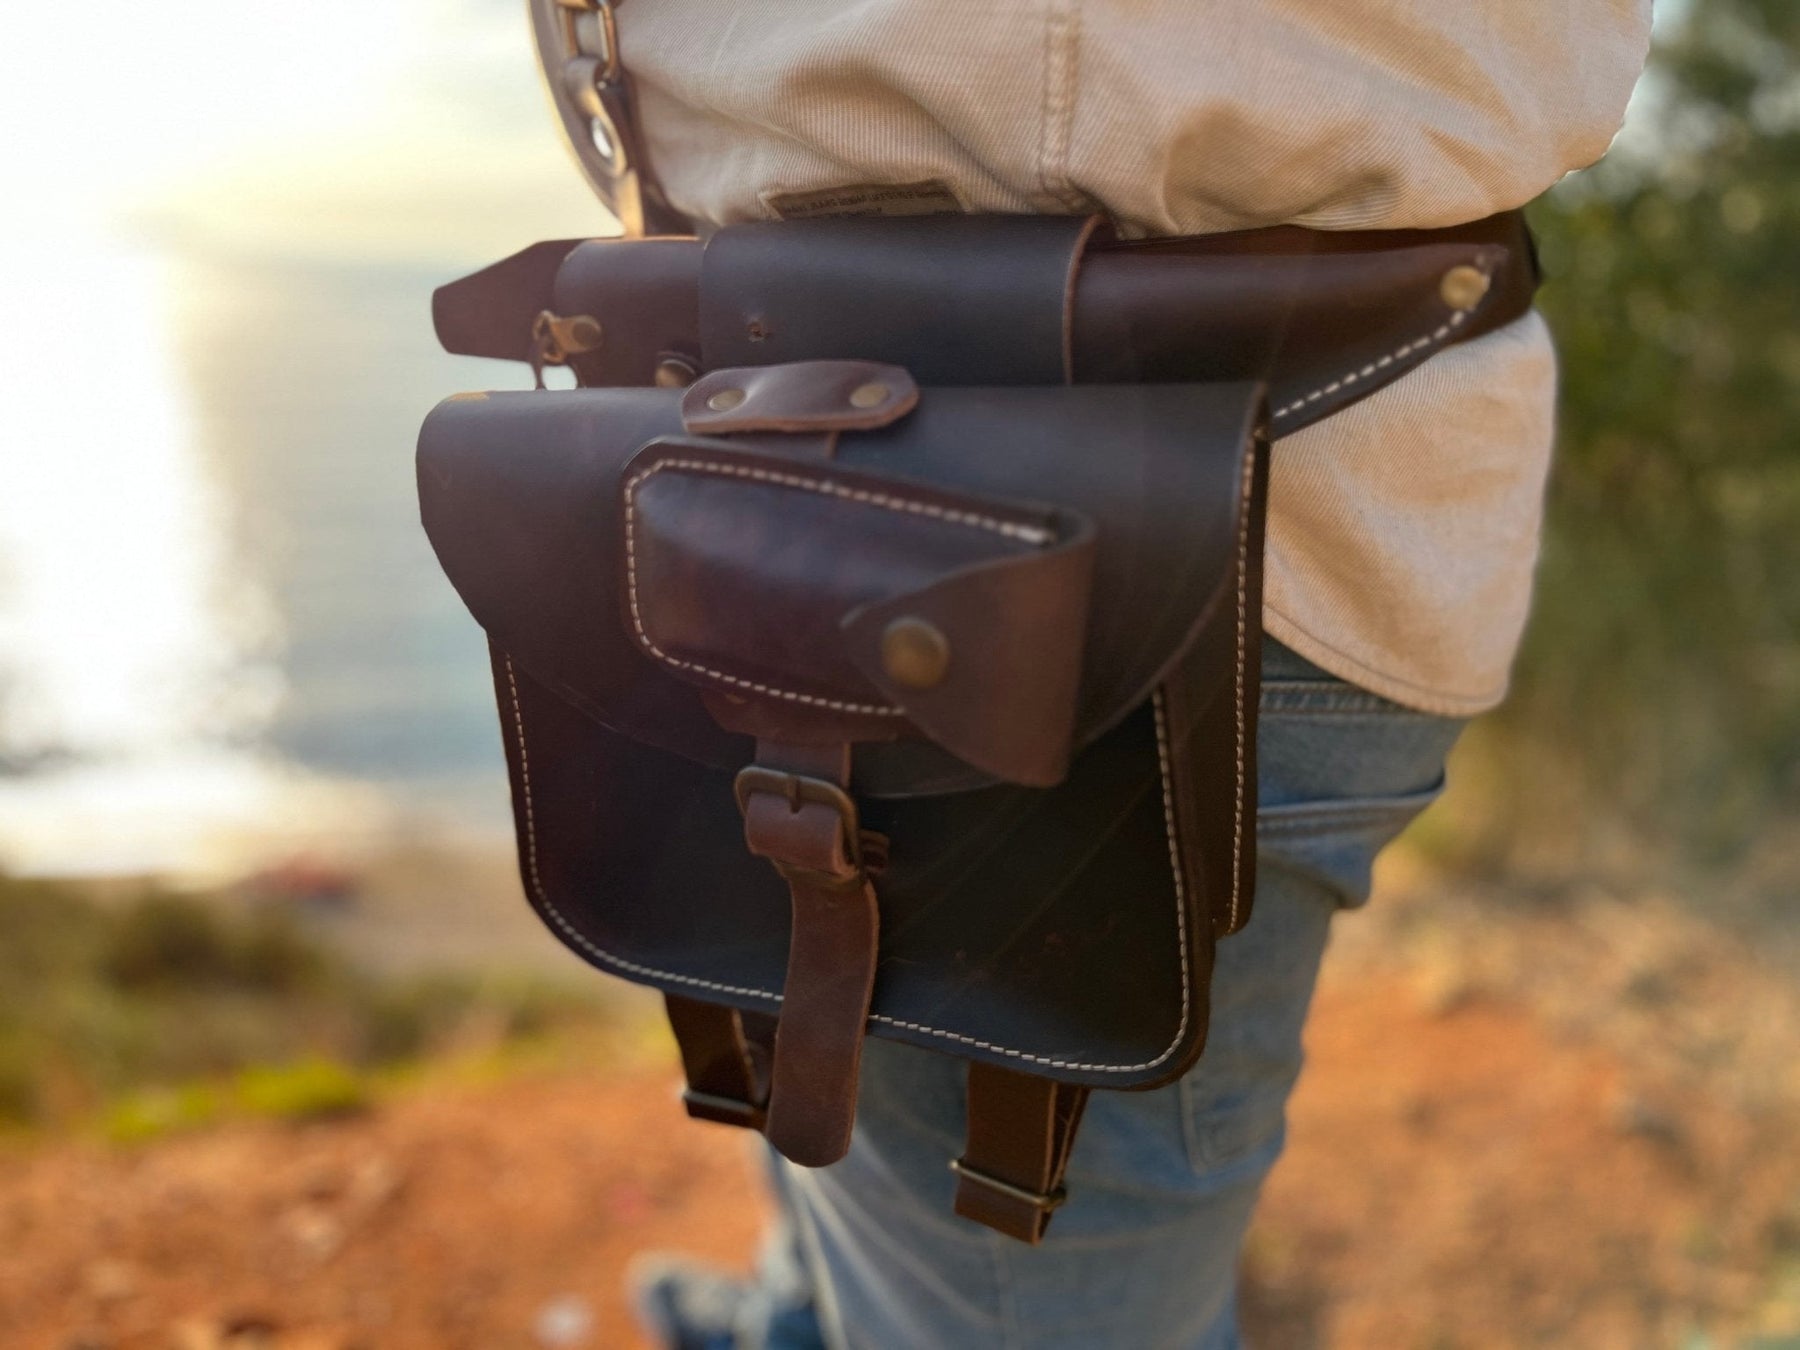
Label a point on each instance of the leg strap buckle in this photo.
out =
(1040, 1200)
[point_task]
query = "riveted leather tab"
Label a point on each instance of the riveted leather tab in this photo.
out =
(1021, 1130)
(799, 397)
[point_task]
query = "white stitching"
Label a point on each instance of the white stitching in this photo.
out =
(582, 941)
(537, 883)
(1030, 534)
(1455, 321)
(1237, 834)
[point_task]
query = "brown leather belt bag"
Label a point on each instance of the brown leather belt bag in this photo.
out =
(876, 629)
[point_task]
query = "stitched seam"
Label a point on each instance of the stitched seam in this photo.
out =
(537, 883)
(1344, 381)
(1030, 534)
(1062, 36)
(1243, 567)
(620, 963)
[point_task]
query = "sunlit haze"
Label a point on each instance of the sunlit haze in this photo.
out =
(147, 152)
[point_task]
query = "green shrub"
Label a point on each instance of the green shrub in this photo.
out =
(310, 1089)
(151, 1005)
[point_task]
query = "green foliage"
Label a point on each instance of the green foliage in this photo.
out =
(142, 1116)
(164, 1012)
(312, 1089)
(1663, 666)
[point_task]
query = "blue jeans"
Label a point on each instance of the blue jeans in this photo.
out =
(1162, 1183)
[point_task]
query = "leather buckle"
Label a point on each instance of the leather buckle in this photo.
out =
(723, 1110)
(795, 788)
(1044, 1201)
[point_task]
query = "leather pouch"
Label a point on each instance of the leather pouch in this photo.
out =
(1067, 809)
(845, 559)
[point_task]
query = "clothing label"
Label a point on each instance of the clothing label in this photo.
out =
(932, 198)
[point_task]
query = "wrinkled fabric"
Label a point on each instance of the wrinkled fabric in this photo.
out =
(1403, 533)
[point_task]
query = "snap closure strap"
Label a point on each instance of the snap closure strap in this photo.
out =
(799, 397)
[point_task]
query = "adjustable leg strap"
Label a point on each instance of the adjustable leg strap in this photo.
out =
(798, 816)
(726, 1056)
(1021, 1130)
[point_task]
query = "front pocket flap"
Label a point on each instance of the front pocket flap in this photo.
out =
(520, 494)
(859, 595)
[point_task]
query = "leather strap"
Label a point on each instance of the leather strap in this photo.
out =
(797, 815)
(1021, 1130)
(938, 295)
(725, 1054)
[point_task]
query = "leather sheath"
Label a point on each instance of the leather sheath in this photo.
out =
(1322, 317)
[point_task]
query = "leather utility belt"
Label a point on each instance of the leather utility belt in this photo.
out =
(875, 629)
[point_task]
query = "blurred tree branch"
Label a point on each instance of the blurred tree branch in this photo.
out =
(1663, 666)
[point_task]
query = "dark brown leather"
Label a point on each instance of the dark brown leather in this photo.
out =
(814, 841)
(1016, 620)
(940, 295)
(1324, 317)
(812, 396)
(520, 495)
(1094, 952)
(1021, 1131)
(727, 1083)
(490, 313)
(779, 581)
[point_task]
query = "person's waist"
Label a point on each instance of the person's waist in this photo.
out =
(1322, 317)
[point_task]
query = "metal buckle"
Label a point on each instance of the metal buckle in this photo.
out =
(1037, 1200)
(593, 29)
(794, 788)
(723, 1110)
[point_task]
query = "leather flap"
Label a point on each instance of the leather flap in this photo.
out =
(865, 596)
(520, 495)
(800, 397)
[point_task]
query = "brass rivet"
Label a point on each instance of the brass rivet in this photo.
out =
(1463, 287)
(871, 395)
(725, 400)
(914, 653)
(584, 332)
(674, 373)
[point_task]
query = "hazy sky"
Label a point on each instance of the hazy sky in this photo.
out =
(408, 128)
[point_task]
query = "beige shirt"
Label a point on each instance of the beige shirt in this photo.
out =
(1403, 532)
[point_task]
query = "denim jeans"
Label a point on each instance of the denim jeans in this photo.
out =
(1162, 1183)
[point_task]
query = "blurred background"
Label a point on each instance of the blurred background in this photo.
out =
(285, 1061)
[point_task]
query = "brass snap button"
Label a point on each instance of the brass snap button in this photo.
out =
(674, 373)
(725, 400)
(914, 653)
(871, 395)
(1463, 287)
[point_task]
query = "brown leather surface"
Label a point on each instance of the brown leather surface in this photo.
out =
(725, 1082)
(520, 494)
(943, 296)
(1021, 1129)
(1020, 621)
(776, 581)
(1324, 317)
(489, 313)
(808, 396)
(830, 976)
(1094, 962)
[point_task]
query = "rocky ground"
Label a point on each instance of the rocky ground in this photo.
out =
(1562, 1119)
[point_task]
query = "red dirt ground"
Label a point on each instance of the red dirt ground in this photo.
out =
(1456, 1177)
